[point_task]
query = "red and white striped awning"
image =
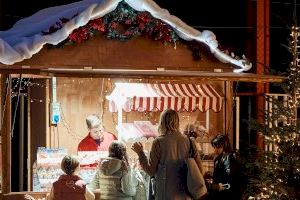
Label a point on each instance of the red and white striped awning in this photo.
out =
(157, 97)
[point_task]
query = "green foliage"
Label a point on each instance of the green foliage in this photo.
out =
(275, 171)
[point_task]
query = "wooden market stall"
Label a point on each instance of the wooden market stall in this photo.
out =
(81, 75)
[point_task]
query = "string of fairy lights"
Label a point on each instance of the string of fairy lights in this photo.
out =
(21, 86)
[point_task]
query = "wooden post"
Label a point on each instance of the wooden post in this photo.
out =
(29, 156)
(6, 132)
(228, 112)
(237, 123)
(262, 57)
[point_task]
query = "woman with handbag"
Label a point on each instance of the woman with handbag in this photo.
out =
(167, 158)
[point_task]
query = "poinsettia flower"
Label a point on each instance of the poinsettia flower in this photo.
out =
(79, 35)
(128, 21)
(113, 25)
(143, 17)
(128, 33)
(138, 22)
(167, 37)
(142, 26)
(97, 24)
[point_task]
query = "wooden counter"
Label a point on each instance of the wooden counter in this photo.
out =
(20, 195)
(36, 195)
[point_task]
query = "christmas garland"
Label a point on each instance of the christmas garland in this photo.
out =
(124, 17)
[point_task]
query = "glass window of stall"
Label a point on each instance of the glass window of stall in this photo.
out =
(51, 112)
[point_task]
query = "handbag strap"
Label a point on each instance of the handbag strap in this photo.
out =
(191, 150)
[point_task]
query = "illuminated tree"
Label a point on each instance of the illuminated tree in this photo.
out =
(276, 171)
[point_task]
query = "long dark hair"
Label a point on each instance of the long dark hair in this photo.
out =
(118, 150)
(221, 140)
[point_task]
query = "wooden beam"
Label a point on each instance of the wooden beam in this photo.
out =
(35, 76)
(162, 75)
(6, 132)
(249, 94)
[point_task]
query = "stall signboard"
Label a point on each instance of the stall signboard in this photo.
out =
(47, 168)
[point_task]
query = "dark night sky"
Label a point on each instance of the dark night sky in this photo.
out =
(198, 13)
(281, 19)
(201, 14)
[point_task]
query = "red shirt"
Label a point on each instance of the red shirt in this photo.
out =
(89, 144)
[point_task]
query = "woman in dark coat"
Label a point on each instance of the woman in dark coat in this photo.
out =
(224, 180)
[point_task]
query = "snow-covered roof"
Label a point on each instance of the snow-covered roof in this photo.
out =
(25, 38)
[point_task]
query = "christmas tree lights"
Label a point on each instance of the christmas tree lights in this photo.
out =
(278, 165)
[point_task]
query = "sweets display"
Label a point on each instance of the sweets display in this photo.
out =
(46, 169)
(136, 131)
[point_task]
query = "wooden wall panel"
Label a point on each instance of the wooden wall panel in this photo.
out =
(78, 99)
(137, 53)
